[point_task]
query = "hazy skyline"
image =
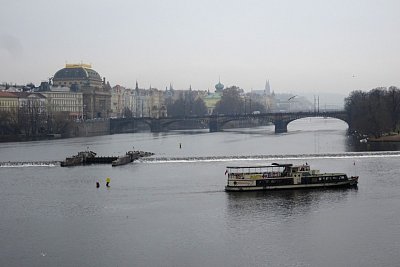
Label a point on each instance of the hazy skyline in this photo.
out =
(310, 46)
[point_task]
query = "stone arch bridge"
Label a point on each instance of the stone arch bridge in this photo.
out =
(217, 122)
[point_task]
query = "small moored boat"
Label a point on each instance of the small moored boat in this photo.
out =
(283, 176)
(79, 159)
(129, 157)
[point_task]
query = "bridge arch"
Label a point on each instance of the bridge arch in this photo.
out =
(223, 121)
(284, 124)
(185, 122)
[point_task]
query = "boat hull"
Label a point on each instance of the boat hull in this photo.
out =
(348, 183)
(122, 160)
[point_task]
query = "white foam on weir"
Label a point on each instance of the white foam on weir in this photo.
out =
(158, 160)
(29, 164)
(348, 155)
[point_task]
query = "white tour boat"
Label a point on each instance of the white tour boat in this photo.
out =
(283, 176)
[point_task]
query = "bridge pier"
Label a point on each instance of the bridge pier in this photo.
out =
(155, 126)
(280, 126)
(213, 125)
(122, 126)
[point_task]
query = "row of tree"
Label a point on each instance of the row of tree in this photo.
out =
(188, 104)
(375, 112)
(28, 123)
(232, 102)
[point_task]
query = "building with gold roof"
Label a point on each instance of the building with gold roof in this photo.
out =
(96, 93)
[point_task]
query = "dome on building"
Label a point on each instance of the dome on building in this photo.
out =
(77, 71)
(219, 87)
(78, 76)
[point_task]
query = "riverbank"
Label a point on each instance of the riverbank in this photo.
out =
(75, 129)
(102, 127)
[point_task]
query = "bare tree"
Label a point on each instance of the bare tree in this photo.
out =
(188, 104)
(62, 123)
(393, 105)
(375, 112)
(8, 123)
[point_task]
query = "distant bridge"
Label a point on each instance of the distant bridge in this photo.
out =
(217, 122)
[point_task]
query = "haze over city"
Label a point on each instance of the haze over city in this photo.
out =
(299, 46)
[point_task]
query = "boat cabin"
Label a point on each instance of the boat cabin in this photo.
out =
(274, 170)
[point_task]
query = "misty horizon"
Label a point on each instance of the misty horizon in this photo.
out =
(310, 46)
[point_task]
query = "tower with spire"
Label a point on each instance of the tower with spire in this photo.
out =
(267, 89)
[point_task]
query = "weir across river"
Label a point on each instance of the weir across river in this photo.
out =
(216, 122)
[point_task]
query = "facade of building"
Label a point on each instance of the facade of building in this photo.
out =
(8, 102)
(118, 101)
(157, 104)
(147, 102)
(24, 105)
(141, 103)
(31, 102)
(62, 99)
(96, 93)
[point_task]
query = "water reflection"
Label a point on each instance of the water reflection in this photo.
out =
(285, 204)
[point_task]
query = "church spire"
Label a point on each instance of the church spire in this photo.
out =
(267, 89)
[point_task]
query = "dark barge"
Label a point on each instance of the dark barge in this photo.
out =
(90, 157)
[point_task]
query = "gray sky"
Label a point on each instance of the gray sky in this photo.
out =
(308, 45)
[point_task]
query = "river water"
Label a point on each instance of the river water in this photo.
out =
(171, 209)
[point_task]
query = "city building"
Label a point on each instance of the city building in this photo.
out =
(148, 102)
(8, 102)
(157, 104)
(120, 101)
(63, 99)
(31, 102)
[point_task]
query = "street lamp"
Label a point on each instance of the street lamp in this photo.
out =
(290, 103)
